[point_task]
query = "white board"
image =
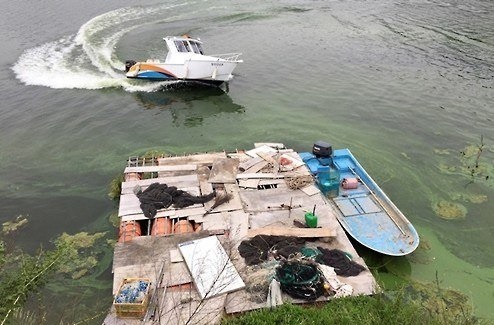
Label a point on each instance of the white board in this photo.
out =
(211, 269)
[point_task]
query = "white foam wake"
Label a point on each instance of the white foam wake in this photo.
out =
(87, 60)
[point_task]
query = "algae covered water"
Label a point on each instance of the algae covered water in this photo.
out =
(406, 85)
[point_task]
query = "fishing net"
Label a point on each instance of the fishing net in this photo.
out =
(339, 260)
(300, 280)
(297, 182)
(161, 196)
(258, 249)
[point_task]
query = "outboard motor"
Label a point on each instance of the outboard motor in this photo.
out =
(129, 64)
(323, 152)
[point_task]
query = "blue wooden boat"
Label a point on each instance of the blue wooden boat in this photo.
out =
(365, 211)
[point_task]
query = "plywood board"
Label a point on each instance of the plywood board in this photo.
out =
(224, 171)
(211, 268)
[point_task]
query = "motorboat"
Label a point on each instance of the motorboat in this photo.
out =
(185, 60)
(363, 209)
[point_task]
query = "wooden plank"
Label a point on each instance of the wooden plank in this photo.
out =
(203, 159)
(276, 145)
(186, 307)
(269, 181)
(177, 274)
(235, 202)
(172, 180)
(263, 148)
(248, 183)
(293, 232)
(257, 167)
(151, 169)
(224, 171)
(175, 256)
(244, 165)
(130, 204)
(189, 212)
(239, 224)
(216, 221)
(259, 175)
(272, 199)
(310, 190)
(180, 182)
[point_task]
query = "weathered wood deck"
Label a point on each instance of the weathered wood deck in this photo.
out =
(261, 202)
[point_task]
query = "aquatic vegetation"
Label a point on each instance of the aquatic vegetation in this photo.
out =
(472, 198)
(21, 274)
(116, 187)
(398, 266)
(151, 154)
(469, 162)
(449, 210)
(114, 219)
(439, 301)
(404, 154)
(80, 258)
(14, 225)
(442, 151)
(421, 255)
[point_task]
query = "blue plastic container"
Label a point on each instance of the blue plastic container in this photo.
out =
(328, 179)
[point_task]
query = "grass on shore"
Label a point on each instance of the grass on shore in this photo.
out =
(397, 309)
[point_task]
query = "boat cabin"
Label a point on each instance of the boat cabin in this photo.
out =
(182, 46)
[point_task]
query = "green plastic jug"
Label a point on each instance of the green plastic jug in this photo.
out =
(311, 220)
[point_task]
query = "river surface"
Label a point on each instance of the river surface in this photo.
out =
(406, 85)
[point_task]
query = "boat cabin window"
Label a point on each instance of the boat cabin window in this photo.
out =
(187, 47)
(181, 46)
(196, 47)
(199, 46)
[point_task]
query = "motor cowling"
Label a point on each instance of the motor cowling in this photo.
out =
(129, 64)
(322, 149)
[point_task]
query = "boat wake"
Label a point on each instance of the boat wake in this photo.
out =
(87, 60)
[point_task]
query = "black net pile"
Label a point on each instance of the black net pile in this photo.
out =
(161, 196)
(256, 250)
(300, 280)
(339, 261)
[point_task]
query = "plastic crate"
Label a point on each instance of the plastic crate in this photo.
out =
(132, 309)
